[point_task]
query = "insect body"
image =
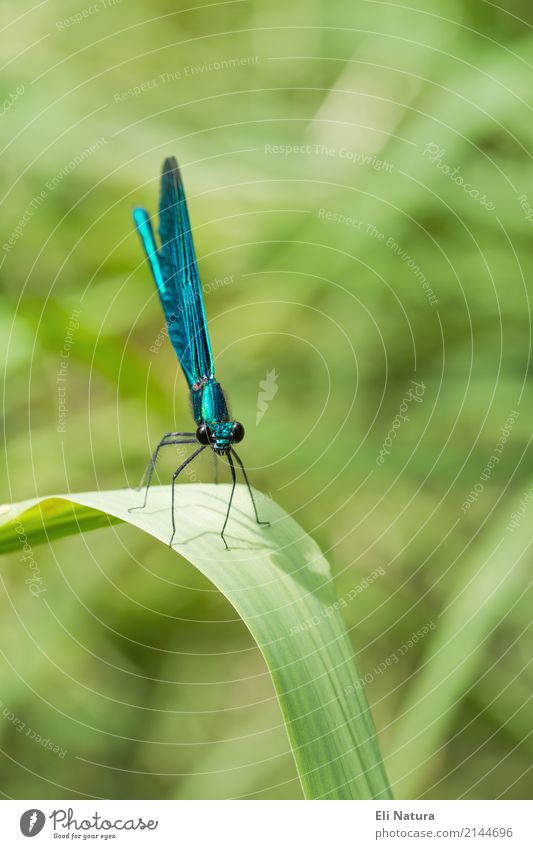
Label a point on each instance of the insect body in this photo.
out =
(176, 276)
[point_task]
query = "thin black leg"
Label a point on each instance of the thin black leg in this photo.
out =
(233, 482)
(151, 464)
(215, 465)
(147, 477)
(245, 476)
(174, 476)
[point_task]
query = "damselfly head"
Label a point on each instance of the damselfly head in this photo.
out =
(220, 435)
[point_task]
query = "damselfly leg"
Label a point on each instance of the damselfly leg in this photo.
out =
(233, 482)
(167, 439)
(174, 476)
(247, 482)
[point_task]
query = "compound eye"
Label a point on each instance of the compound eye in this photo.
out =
(237, 432)
(203, 434)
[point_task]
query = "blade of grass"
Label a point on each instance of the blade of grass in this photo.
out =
(280, 584)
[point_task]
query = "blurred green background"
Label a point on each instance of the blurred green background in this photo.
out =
(341, 160)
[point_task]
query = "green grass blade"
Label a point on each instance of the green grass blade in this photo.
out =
(280, 584)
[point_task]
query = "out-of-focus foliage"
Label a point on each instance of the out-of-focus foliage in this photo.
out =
(358, 178)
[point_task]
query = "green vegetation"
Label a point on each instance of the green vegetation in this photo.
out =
(358, 182)
(280, 585)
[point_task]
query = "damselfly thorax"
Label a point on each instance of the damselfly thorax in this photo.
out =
(210, 411)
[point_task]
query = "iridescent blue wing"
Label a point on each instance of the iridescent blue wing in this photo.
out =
(176, 275)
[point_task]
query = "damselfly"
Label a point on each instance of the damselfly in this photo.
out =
(176, 276)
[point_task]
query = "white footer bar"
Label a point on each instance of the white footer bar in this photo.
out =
(267, 824)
